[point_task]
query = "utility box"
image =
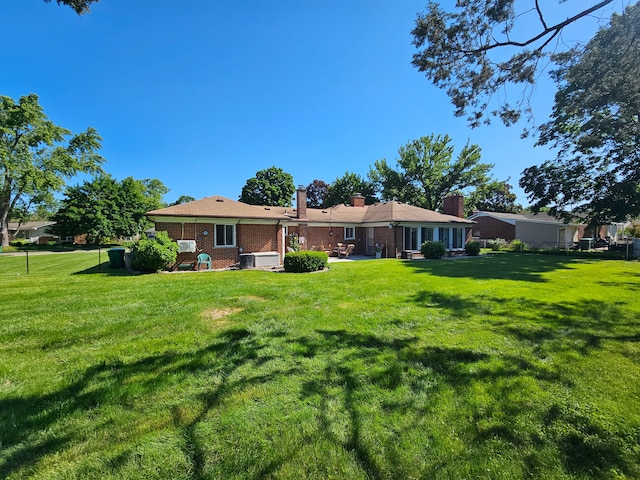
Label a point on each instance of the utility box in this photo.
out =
(259, 260)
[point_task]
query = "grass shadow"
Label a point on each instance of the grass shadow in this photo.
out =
(512, 266)
(24, 417)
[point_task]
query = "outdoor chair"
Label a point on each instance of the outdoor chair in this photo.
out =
(345, 252)
(204, 259)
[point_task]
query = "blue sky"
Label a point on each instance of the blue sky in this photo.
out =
(201, 94)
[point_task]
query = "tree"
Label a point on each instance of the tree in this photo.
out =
(428, 172)
(183, 199)
(474, 53)
(317, 193)
(493, 196)
(104, 208)
(595, 128)
(343, 188)
(80, 6)
(272, 186)
(37, 157)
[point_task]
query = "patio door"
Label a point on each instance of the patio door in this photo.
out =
(370, 240)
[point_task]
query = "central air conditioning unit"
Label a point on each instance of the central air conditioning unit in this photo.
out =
(186, 246)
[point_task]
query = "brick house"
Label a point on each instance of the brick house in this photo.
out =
(226, 228)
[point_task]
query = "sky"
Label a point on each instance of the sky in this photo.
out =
(202, 94)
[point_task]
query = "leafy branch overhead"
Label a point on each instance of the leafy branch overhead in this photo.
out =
(595, 129)
(79, 6)
(475, 54)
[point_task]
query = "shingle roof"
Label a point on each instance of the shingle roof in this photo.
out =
(518, 217)
(221, 207)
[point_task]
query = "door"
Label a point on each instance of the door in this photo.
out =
(370, 241)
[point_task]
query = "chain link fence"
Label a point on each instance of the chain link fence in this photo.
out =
(26, 262)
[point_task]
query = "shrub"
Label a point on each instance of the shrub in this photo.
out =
(472, 249)
(153, 255)
(305, 261)
(497, 244)
(432, 249)
(517, 246)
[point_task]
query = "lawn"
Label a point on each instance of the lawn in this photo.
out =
(506, 366)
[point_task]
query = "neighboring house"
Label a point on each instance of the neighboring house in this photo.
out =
(34, 232)
(536, 230)
(226, 228)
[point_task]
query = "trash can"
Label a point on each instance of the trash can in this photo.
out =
(116, 258)
(128, 260)
(586, 243)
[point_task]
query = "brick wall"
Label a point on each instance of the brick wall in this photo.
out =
(490, 228)
(252, 238)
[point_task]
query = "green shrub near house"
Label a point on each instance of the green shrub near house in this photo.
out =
(151, 255)
(432, 250)
(305, 261)
(472, 248)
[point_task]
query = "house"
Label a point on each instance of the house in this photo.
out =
(536, 230)
(34, 232)
(226, 228)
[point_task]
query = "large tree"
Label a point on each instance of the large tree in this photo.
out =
(37, 157)
(271, 186)
(343, 188)
(80, 6)
(428, 172)
(317, 193)
(595, 128)
(493, 196)
(105, 208)
(477, 49)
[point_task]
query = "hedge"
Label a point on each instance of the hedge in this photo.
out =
(305, 261)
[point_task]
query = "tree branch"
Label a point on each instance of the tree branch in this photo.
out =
(554, 29)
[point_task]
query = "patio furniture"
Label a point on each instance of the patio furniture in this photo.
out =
(203, 259)
(344, 252)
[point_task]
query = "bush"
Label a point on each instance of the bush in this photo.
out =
(517, 246)
(432, 249)
(153, 255)
(497, 244)
(472, 249)
(305, 261)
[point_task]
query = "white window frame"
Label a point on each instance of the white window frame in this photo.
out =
(225, 243)
(346, 235)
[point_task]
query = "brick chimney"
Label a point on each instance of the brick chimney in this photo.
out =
(453, 205)
(357, 200)
(301, 202)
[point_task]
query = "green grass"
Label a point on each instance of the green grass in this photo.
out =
(507, 366)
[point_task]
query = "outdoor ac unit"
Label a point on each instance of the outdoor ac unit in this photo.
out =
(186, 246)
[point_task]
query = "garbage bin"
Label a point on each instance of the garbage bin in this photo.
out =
(586, 243)
(128, 260)
(116, 258)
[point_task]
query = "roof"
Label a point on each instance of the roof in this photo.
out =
(221, 207)
(513, 218)
(31, 225)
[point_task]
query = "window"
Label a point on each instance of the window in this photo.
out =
(225, 235)
(444, 236)
(414, 237)
(426, 235)
(458, 237)
(349, 233)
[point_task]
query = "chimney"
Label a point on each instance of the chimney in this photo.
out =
(301, 202)
(357, 200)
(453, 205)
